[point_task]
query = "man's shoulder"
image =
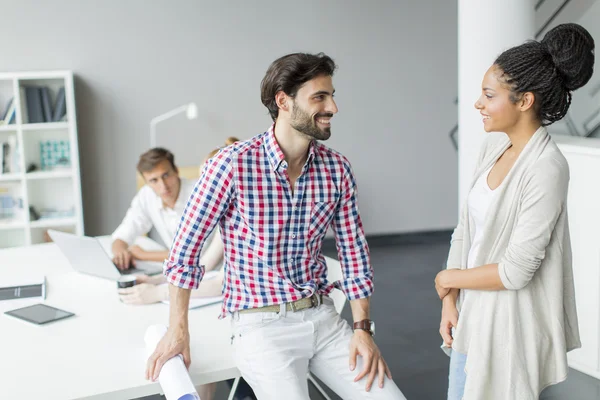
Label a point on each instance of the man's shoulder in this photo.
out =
(329, 155)
(241, 149)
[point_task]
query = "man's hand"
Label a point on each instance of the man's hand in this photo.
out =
(441, 291)
(449, 320)
(175, 341)
(123, 259)
(138, 253)
(144, 293)
(362, 344)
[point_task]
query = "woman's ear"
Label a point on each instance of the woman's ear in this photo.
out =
(526, 102)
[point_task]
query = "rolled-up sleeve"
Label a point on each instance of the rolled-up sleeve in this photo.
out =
(207, 204)
(541, 204)
(353, 250)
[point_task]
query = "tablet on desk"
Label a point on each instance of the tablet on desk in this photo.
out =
(39, 314)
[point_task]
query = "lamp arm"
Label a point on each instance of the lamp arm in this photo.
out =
(161, 118)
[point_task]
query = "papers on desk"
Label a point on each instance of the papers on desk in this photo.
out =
(196, 302)
(174, 378)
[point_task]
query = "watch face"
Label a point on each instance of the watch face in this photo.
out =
(372, 328)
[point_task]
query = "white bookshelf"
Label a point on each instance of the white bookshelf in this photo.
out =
(54, 192)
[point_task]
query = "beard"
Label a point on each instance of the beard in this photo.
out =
(304, 123)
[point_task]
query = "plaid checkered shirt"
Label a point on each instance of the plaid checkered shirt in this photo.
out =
(272, 235)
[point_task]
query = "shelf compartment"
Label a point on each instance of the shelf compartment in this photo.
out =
(40, 99)
(34, 139)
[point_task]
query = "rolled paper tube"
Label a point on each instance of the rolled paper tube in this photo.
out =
(174, 378)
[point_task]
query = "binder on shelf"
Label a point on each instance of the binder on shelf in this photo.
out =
(59, 106)
(23, 109)
(10, 114)
(35, 109)
(46, 104)
(7, 109)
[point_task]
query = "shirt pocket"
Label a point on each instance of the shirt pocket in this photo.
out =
(321, 215)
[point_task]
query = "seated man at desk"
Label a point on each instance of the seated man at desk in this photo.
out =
(159, 204)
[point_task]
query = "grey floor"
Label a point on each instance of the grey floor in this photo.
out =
(407, 311)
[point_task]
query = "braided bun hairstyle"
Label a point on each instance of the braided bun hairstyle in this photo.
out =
(551, 69)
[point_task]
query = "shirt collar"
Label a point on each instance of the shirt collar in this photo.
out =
(274, 153)
(276, 156)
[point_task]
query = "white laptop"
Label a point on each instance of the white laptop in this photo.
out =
(86, 255)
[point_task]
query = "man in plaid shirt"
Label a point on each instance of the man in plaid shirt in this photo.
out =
(273, 197)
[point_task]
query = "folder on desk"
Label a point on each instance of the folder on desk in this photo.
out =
(20, 287)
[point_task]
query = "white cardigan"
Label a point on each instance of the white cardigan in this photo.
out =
(516, 340)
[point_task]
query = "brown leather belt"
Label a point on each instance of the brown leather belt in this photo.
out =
(302, 304)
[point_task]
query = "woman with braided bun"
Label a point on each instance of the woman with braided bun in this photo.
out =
(508, 301)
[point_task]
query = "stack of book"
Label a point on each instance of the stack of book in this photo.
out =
(36, 106)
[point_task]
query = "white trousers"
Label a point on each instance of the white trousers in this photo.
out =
(275, 351)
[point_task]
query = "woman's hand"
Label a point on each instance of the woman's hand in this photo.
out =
(449, 320)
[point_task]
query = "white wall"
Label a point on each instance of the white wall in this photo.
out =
(135, 59)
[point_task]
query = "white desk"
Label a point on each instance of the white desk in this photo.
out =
(99, 353)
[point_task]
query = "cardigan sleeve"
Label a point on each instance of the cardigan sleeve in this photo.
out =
(541, 204)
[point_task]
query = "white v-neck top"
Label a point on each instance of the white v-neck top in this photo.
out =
(479, 200)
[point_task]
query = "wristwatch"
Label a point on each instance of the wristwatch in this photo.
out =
(365, 325)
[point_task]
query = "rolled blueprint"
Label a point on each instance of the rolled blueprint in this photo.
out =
(174, 378)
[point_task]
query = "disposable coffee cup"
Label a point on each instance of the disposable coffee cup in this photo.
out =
(126, 281)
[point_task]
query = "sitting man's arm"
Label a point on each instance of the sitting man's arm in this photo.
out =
(136, 223)
(140, 254)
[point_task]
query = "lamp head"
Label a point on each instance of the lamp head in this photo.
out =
(192, 111)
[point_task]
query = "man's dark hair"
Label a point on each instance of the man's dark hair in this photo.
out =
(150, 159)
(550, 69)
(289, 73)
